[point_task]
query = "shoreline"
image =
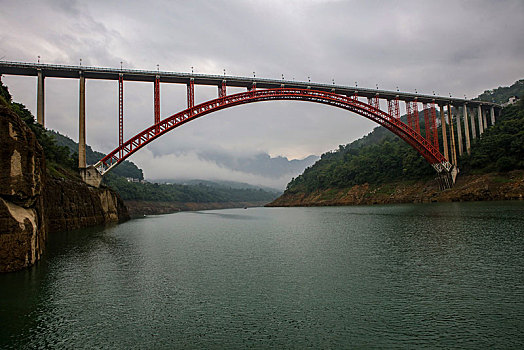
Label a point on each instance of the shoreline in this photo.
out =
(139, 209)
(468, 188)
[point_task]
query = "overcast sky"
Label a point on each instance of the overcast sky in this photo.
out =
(457, 47)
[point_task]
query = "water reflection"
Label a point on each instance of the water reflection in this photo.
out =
(436, 275)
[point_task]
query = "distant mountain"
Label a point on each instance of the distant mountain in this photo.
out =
(126, 169)
(259, 164)
(220, 184)
(381, 157)
(185, 193)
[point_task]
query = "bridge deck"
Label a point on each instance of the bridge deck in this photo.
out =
(63, 71)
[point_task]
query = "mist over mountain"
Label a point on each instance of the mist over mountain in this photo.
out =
(259, 169)
(261, 164)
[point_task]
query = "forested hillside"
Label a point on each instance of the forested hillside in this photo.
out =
(501, 95)
(198, 193)
(381, 157)
(62, 161)
(125, 169)
(501, 147)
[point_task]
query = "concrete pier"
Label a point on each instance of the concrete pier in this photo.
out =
(466, 128)
(452, 137)
(481, 128)
(492, 116)
(484, 120)
(82, 124)
(459, 134)
(473, 128)
(444, 132)
(91, 176)
(40, 99)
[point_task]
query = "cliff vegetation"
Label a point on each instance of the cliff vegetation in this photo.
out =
(155, 195)
(381, 158)
(39, 197)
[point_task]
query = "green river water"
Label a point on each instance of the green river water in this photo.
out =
(397, 276)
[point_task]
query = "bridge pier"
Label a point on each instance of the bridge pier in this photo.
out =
(434, 129)
(157, 99)
(492, 116)
(446, 175)
(444, 132)
(466, 128)
(191, 93)
(222, 89)
(40, 99)
(484, 120)
(473, 128)
(481, 128)
(120, 110)
(459, 134)
(91, 176)
(82, 124)
(452, 137)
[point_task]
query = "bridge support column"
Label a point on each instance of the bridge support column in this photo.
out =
(484, 120)
(415, 114)
(444, 132)
(434, 129)
(191, 93)
(222, 89)
(40, 99)
(452, 137)
(82, 123)
(492, 116)
(459, 134)
(427, 123)
(157, 99)
(481, 129)
(473, 128)
(409, 112)
(91, 176)
(120, 112)
(466, 128)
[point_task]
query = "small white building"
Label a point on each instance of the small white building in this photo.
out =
(511, 101)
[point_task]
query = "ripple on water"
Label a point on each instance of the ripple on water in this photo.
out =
(424, 276)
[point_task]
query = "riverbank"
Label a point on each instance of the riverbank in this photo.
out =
(275, 278)
(141, 208)
(485, 187)
(37, 200)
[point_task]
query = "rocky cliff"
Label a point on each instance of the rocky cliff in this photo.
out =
(22, 173)
(71, 205)
(33, 203)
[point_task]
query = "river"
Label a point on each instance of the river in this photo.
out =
(443, 275)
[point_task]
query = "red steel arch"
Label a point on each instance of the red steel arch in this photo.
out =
(395, 125)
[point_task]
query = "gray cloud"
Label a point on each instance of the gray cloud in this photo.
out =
(453, 47)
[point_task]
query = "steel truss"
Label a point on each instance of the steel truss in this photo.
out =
(392, 123)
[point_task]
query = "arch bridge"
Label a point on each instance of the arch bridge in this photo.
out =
(455, 123)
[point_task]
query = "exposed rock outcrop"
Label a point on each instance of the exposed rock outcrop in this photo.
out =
(22, 173)
(505, 186)
(33, 204)
(75, 205)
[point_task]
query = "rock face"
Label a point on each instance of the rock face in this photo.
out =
(72, 205)
(22, 212)
(486, 187)
(33, 204)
